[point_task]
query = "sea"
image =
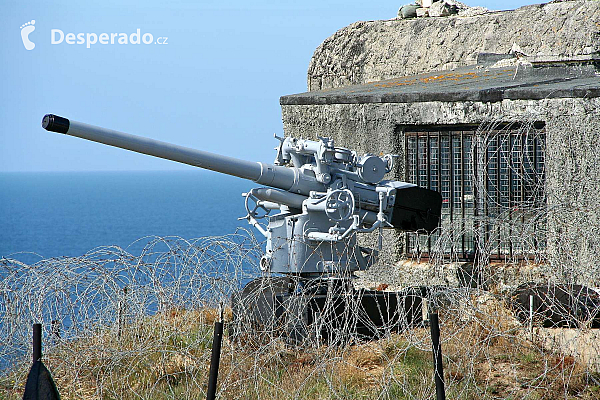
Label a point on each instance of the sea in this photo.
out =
(55, 214)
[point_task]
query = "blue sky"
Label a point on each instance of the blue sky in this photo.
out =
(215, 85)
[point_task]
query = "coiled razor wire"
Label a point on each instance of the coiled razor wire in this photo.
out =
(124, 326)
(119, 325)
(108, 288)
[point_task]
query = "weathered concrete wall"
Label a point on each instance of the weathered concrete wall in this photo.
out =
(377, 50)
(573, 189)
(372, 51)
(572, 159)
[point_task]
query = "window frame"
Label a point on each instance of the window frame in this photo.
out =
(478, 202)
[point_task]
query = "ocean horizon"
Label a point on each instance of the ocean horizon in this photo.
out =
(56, 214)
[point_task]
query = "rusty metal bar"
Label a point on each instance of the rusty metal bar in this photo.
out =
(498, 189)
(474, 183)
(523, 203)
(428, 166)
(407, 178)
(451, 195)
(509, 170)
(439, 164)
(487, 193)
(462, 191)
(535, 171)
(417, 158)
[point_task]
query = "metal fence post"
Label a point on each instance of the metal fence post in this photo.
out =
(37, 342)
(215, 356)
(437, 356)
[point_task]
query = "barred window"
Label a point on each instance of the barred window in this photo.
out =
(492, 183)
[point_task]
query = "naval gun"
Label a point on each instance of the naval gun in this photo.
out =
(323, 197)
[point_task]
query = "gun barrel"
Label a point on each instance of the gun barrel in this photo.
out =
(266, 174)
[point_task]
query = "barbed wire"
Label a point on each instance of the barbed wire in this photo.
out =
(140, 326)
(124, 326)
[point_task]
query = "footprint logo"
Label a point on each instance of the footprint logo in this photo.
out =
(26, 29)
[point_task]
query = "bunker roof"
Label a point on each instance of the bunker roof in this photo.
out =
(494, 78)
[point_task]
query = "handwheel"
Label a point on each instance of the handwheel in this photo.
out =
(339, 204)
(255, 213)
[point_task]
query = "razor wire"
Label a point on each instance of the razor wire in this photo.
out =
(153, 339)
(138, 325)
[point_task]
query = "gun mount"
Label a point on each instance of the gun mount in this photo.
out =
(325, 196)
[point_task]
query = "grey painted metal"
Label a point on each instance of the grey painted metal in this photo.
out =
(279, 196)
(263, 173)
(325, 195)
(198, 158)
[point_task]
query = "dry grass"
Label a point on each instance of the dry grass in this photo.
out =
(167, 356)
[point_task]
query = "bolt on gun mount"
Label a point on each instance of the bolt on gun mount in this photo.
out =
(325, 195)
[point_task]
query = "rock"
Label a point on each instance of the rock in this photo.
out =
(458, 5)
(516, 50)
(473, 11)
(442, 9)
(408, 11)
(424, 3)
(422, 12)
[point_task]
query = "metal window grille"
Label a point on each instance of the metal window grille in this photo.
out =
(492, 186)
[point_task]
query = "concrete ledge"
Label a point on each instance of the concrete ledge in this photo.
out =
(521, 81)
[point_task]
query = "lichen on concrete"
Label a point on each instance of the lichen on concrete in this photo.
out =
(552, 77)
(377, 50)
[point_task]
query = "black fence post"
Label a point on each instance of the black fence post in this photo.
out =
(434, 323)
(55, 328)
(37, 342)
(215, 356)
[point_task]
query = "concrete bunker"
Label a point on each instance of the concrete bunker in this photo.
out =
(504, 124)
